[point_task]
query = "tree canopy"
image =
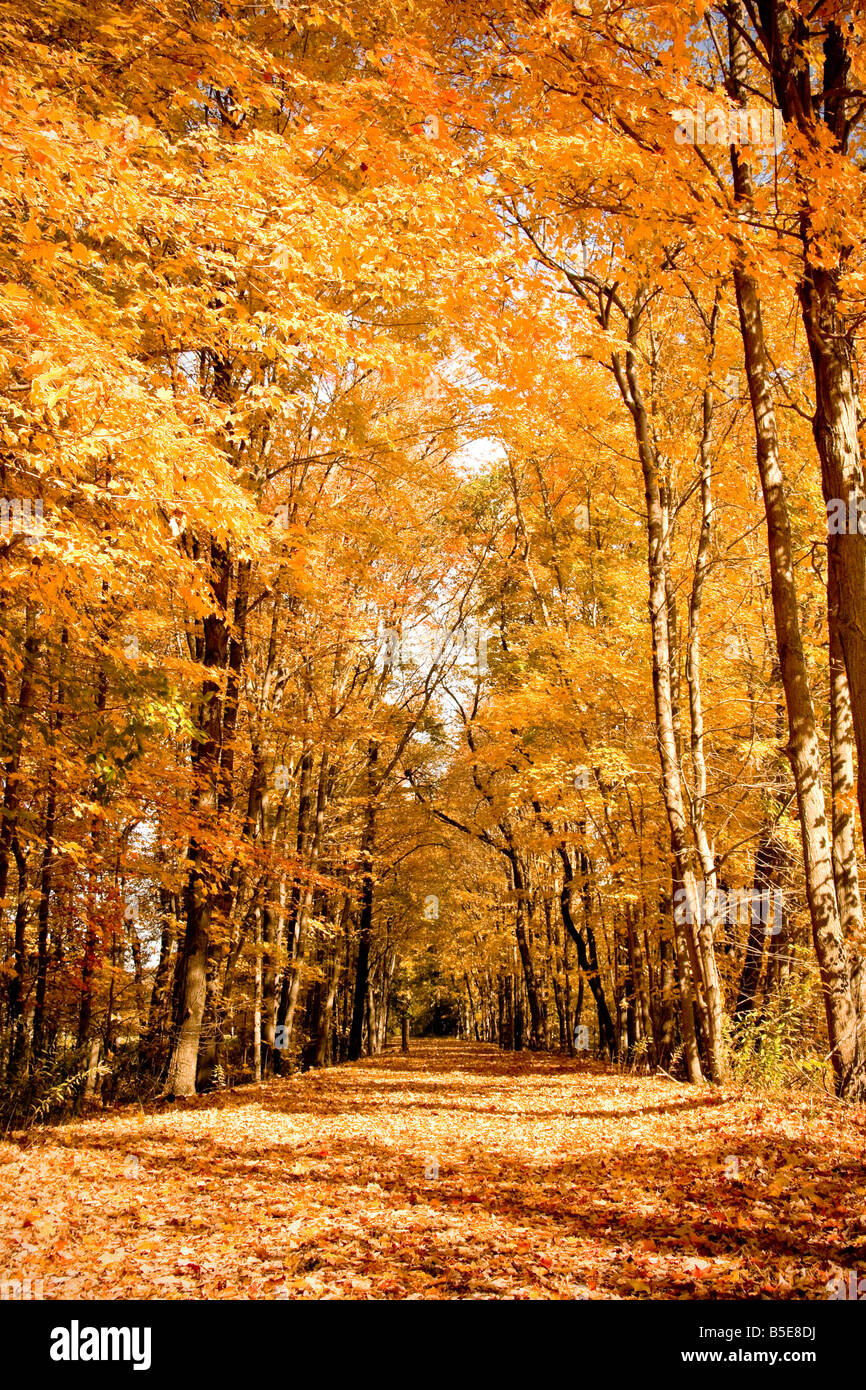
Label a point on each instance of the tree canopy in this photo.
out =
(420, 427)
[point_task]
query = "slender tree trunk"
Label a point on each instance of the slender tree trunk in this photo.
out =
(640, 978)
(803, 744)
(764, 880)
(578, 1008)
(270, 921)
(46, 875)
(203, 874)
(365, 933)
(845, 870)
(693, 933)
(160, 1001)
(257, 1000)
(43, 918)
(553, 948)
(323, 1052)
(521, 931)
(682, 942)
(16, 988)
(708, 919)
(298, 942)
(14, 748)
(667, 984)
(588, 967)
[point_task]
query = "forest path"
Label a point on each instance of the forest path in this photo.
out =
(456, 1171)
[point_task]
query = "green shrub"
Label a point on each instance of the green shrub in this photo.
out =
(773, 1047)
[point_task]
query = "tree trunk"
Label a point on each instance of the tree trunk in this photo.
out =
(12, 752)
(365, 932)
(765, 879)
(803, 744)
(43, 917)
(257, 1000)
(588, 967)
(845, 870)
(160, 1003)
(822, 121)
(521, 917)
(639, 975)
(16, 987)
(270, 932)
(693, 933)
(667, 1020)
(684, 958)
(204, 875)
(302, 911)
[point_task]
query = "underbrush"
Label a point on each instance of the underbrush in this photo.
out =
(45, 1092)
(773, 1048)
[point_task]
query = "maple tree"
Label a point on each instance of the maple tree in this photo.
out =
(417, 604)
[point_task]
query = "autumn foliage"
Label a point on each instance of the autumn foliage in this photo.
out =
(417, 601)
(457, 1173)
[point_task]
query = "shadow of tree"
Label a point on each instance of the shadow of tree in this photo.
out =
(652, 1191)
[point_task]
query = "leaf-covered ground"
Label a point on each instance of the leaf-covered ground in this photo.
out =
(453, 1172)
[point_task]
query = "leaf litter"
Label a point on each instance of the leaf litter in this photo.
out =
(454, 1172)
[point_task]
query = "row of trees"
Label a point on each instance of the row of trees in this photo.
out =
(416, 595)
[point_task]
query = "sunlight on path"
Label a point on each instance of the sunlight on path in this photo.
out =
(457, 1171)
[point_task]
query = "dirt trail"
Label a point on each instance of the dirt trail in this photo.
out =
(454, 1172)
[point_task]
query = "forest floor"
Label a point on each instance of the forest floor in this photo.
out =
(454, 1172)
